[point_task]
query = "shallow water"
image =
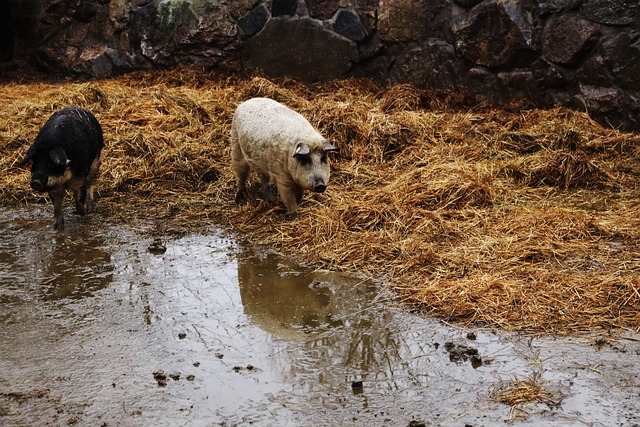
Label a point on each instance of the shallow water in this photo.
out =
(97, 329)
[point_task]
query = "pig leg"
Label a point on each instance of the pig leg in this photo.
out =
(287, 192)
(57, 197)
(241, 169)
(91, 184)
(80, 197)
(267, 193)
(90, 203)
(298, 192)
(83, 195)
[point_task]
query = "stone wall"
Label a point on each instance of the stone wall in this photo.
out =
(579, 53)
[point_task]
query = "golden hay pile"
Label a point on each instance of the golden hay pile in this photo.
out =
(524, 219)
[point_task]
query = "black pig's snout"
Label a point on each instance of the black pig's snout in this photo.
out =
(38, 185)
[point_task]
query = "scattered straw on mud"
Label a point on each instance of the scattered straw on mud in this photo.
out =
(519, 393)
(522, 219)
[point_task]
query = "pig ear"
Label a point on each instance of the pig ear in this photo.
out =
(27, 157)
(59, 157)
(329, 147)
(301, 149)
(30, 153)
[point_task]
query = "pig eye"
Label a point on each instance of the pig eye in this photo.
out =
(323, 159)
(304, 160)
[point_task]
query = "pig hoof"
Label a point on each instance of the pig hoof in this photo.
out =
(267, 195)
(291, 216)
(241, 197)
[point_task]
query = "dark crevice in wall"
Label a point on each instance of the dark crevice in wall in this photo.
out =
(7, 36)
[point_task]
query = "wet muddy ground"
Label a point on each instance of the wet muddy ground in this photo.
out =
(101, 325)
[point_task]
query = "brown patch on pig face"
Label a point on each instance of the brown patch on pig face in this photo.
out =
(310, 168)
(49, 170)
(55, 181)
(43, 183)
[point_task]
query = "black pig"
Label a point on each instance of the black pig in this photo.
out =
(66, 155)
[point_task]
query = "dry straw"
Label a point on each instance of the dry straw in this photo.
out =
(522, 219)
(520, 393)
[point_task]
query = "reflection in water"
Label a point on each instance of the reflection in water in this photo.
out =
(283, 300)
(54, 264)
(332, 315)
(74, 266)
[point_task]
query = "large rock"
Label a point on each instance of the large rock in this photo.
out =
(609, 106)
(322, 9)
(501, 87)
(169, 33)
(621, 54)
(476, 82)
(347, 23)
(567, 39)
(593, 72)
(300, 48)
(515, 84)
(548, 74)
(84, 38)
(431, 65)
(610, 12)
(254, 21)
(496, 33)
(410, 20)
(547, 7)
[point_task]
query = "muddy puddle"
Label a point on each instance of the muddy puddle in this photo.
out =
(100, 326)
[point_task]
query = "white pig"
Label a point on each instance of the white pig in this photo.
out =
(282, 147)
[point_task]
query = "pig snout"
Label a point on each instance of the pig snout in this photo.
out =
(319, 186)
(39, 183)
